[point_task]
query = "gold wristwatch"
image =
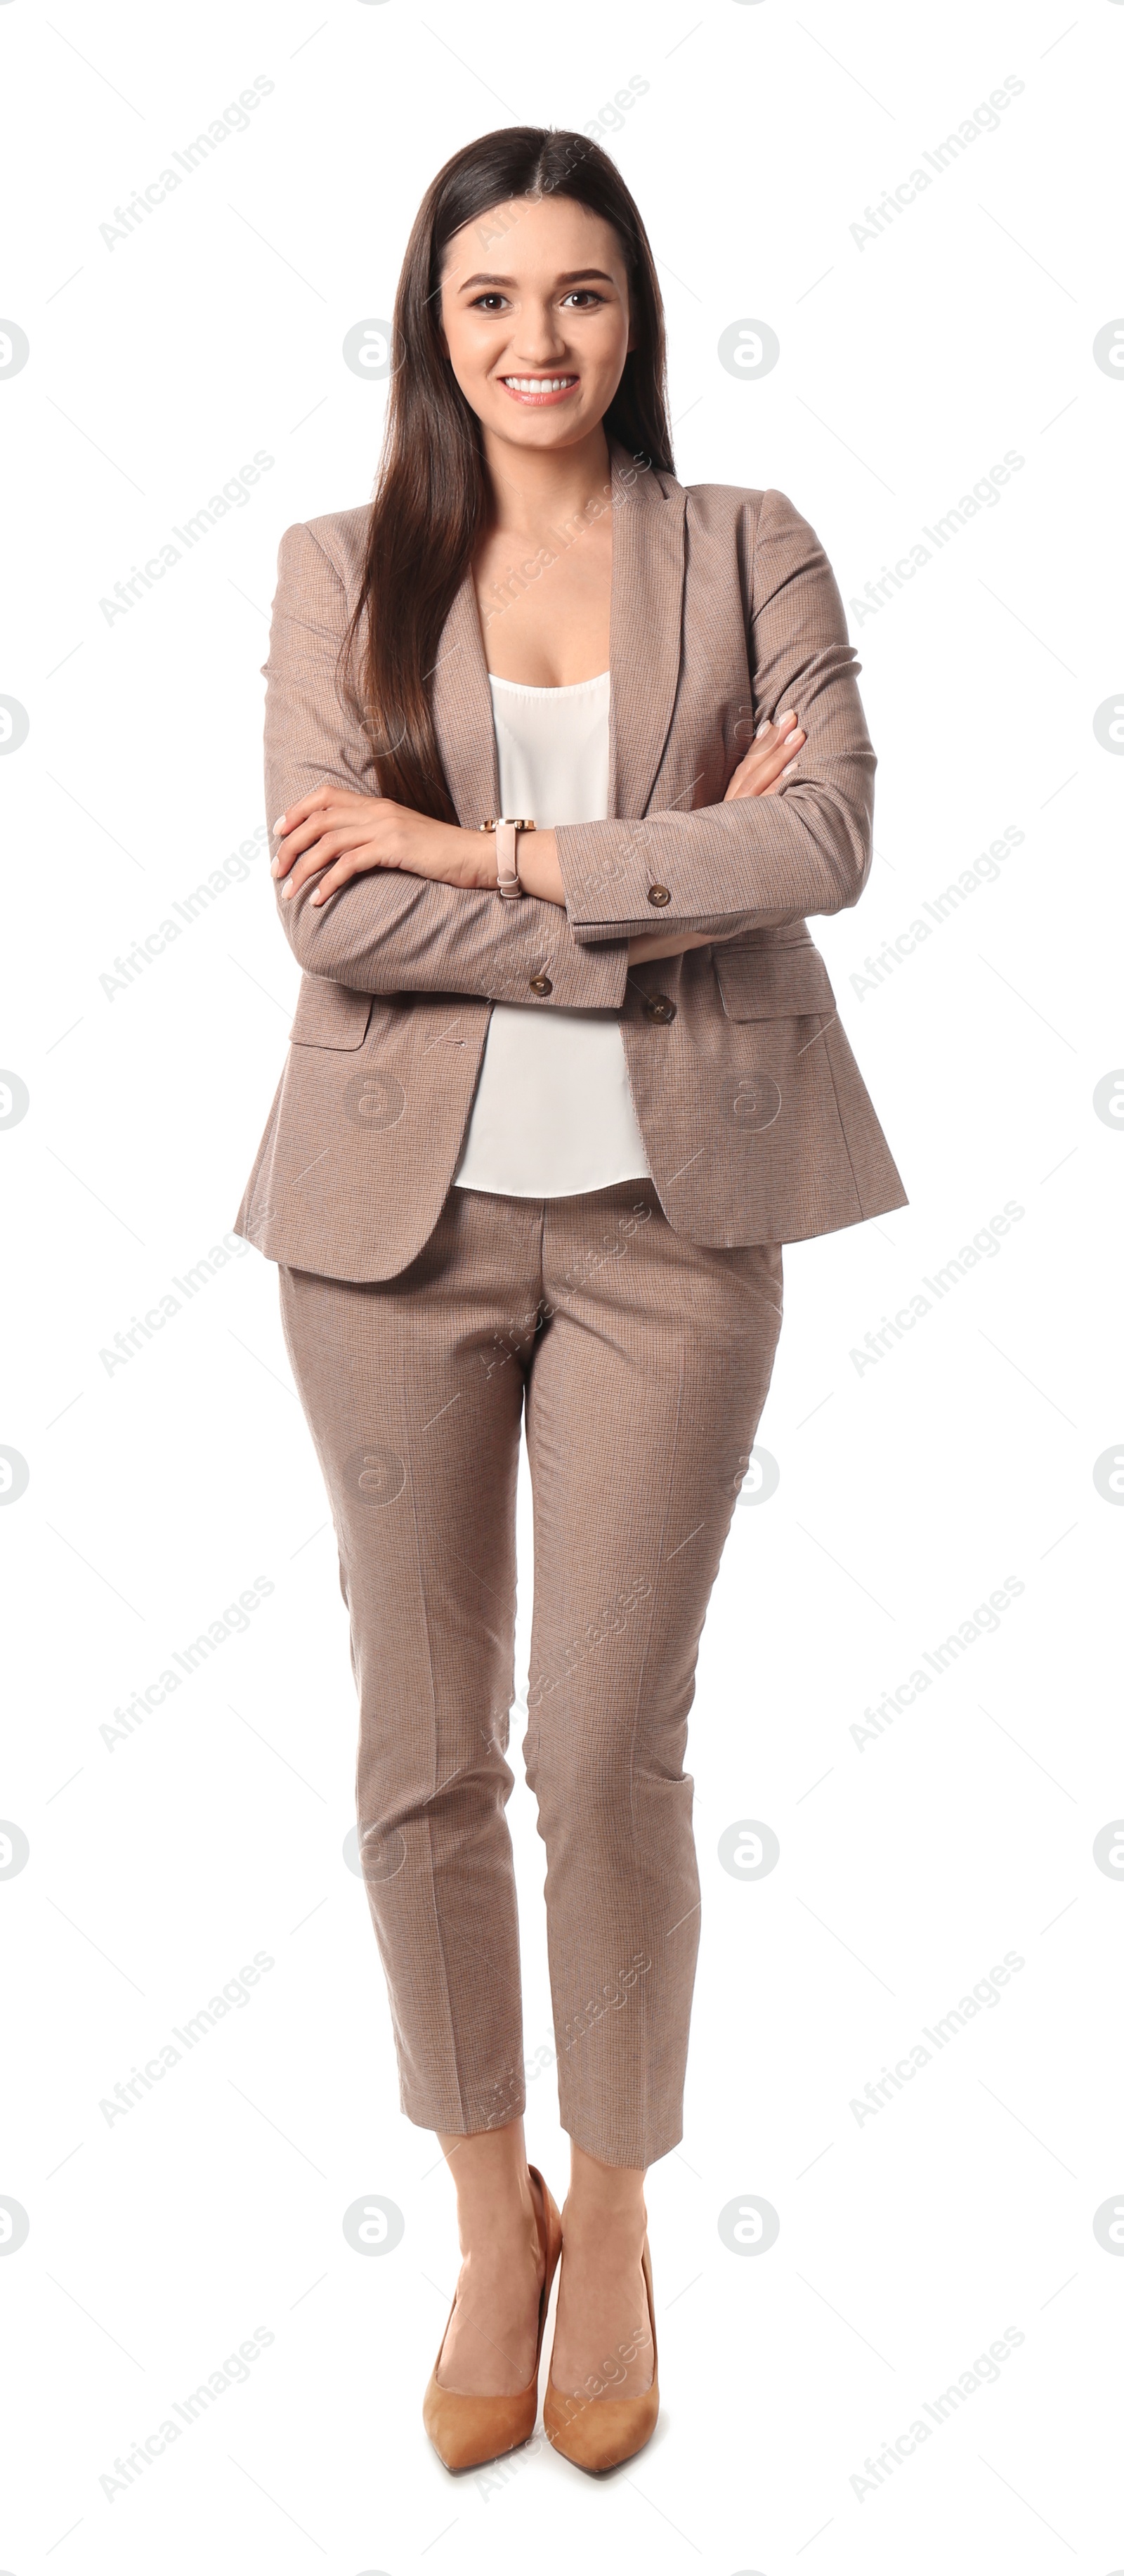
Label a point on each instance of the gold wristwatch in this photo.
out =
(507, 828)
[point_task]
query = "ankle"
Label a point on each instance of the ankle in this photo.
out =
(605, 2198)
(504, 2225)
(605, 2223)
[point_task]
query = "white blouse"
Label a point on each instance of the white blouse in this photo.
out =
(553, 1113)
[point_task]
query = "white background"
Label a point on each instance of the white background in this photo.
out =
(909, 1490)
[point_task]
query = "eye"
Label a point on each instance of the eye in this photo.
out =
(583, 297)
(489, 302)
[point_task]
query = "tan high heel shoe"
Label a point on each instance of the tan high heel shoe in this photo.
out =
(466, 2431)
(599, 2432)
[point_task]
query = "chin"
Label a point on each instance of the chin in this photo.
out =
(542, 428)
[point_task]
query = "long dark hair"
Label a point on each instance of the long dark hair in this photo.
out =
(432, 499)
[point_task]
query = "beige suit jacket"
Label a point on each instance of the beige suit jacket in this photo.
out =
(756, 1121)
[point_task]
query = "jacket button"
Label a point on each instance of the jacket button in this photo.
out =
(541, 984)
(659, 1006)
(658, 894)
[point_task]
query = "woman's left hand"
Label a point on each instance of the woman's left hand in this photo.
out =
(345, 835)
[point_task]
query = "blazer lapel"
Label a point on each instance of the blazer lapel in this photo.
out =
(645, 625)
(645, 645)
(462, 712)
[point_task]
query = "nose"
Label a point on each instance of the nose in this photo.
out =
(540, 338)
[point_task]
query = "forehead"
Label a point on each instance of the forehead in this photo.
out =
(530, 240)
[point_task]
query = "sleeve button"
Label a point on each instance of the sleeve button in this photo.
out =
(541, 984)
(659, 894)
(659, 1007)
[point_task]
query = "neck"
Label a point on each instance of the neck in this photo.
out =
(533, 487)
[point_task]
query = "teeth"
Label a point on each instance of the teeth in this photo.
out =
(538, 384)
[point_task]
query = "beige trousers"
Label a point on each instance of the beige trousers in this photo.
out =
(643, 1361)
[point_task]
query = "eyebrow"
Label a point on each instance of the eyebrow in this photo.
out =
(569, 277)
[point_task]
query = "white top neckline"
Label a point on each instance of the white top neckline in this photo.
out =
(523, 688)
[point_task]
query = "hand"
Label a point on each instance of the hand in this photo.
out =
(770, 757)
(345, 835)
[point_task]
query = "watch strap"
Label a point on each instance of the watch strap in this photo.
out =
(507, 846)
(507, 828)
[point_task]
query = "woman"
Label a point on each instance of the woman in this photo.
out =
(555, 1098)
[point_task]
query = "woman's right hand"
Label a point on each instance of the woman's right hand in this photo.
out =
(771, 755)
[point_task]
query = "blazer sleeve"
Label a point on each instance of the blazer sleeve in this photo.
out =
(735, 867)
(387, 931)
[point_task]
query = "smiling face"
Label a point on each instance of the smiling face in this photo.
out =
(535, 320)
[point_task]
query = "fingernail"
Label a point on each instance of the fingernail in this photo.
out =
(286, 891)
(763, 727)
(789, 765)
(279, 825)
(787, 716)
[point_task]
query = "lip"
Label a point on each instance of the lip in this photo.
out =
(539, 402)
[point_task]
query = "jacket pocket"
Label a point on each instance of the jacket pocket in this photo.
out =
(330, 1015)
(772, 983)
